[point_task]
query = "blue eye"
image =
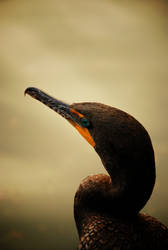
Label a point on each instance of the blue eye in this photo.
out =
(85, 122)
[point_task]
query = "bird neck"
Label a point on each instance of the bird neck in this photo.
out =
(132, 182)
(116, 172)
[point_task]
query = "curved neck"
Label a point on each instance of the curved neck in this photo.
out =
(122, 194)
(132, 182)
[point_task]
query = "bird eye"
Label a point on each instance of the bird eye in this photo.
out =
(85, 123)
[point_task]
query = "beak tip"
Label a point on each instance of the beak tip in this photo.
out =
(25, 92)
(29, 90)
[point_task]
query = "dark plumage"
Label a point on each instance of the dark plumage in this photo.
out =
(106, 207)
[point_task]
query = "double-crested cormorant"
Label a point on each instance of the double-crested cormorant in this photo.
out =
(106, 207)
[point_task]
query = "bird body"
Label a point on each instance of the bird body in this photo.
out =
(109, 229)
(141, 232)
(106, 207)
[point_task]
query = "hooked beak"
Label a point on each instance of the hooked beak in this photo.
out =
(71, 115)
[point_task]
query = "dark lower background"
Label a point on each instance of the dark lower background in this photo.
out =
(114, 52)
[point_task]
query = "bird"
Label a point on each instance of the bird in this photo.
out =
(107, 206)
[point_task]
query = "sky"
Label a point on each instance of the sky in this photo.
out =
(112, 51)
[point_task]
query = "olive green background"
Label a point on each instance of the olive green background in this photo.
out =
(109, 51)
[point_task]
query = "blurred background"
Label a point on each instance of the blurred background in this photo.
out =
(111, 51)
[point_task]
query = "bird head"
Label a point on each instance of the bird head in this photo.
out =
(122, 143)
